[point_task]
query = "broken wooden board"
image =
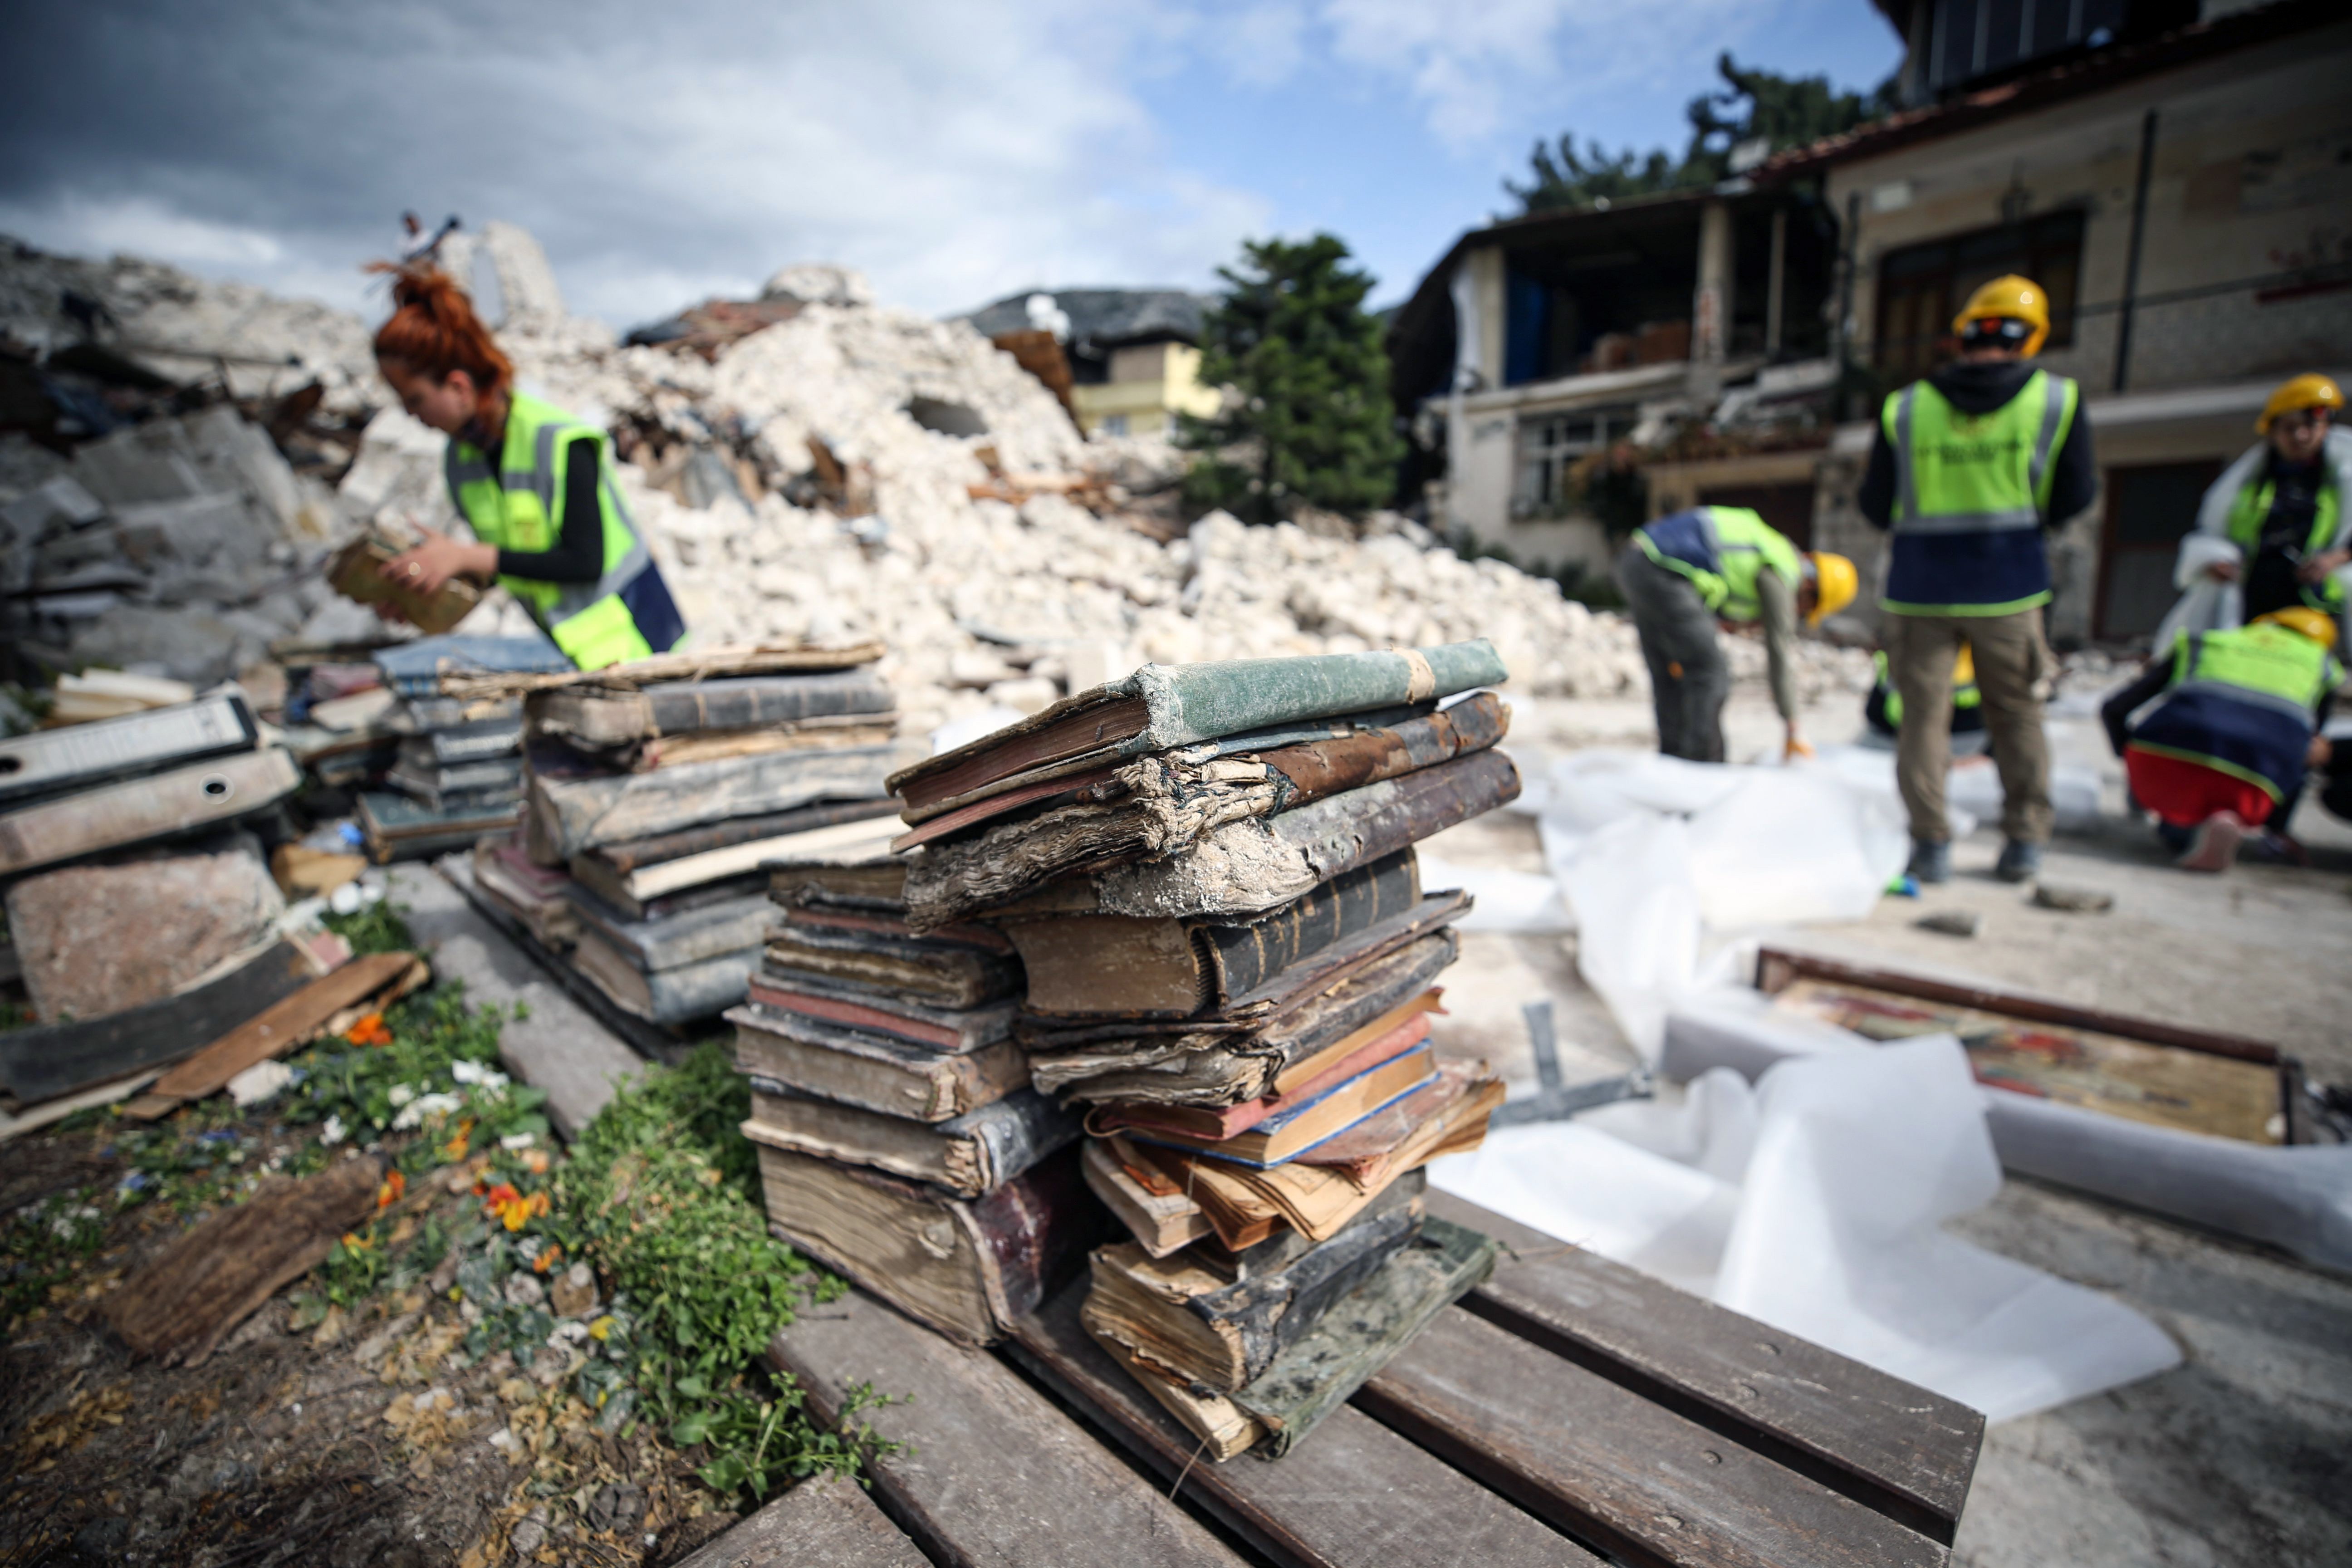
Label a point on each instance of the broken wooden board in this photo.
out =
(216, 1274)
(758, 659)
(820, 1523)
(378, 979)
(996, 1473)
(1357, 1494)
(1909, 1452)
(52, 1059)
(1605, 1464)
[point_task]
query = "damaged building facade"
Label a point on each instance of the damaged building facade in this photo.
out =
(1132, 355)
(2178, 182)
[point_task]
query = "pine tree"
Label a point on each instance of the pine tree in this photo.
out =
(1312, 421)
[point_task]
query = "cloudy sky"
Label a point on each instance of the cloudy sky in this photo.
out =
(955, 150)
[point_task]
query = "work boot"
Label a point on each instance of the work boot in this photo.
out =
(2018, 862)
(2275, 849)
(1931, 860)
(2215, 848)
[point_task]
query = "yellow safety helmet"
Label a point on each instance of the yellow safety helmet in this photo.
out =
(2009, 299)
(1835, 583)
(2317, 625)
(2304, 392)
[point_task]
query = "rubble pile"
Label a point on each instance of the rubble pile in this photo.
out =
(852, 470)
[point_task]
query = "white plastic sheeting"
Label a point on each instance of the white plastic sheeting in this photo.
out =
(2298, 1198)
(1813, 1202)
(1653, 853)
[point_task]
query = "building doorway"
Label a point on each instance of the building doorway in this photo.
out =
(2149, 508)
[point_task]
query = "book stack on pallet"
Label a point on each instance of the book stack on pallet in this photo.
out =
(456, 773)
(654, 791)
(1208, 876)
(899, 1139)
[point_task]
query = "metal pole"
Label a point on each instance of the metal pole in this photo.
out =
(1773, 287)
(2131, 258)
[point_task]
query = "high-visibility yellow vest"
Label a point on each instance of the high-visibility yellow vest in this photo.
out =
(1721, 549)
(1967, 695)
(2243, 701)
(1970, 495)
(2251, 507)
(518, 505)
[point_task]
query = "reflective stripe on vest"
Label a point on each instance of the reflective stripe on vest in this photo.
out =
(1956, 473)
(519, 507)
(1721, 549)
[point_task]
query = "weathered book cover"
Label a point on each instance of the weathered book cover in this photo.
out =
(1158, 806)
(1222, 1331)
(967, 1269)
(112, 816)
(1119, 965)
(967, 1155)
(672, 941)
(936, 974)
(595, 717)
(1262, 862)
(471, 742)
(867, 1011)
(399, 828)
(699, 990)
(50, 1059)
(1161, 706)
(874, 1072)
(570, 815)
(420, 669)
(76, 756)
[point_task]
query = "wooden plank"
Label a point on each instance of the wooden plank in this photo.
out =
(51, 1059)
(294, 1021)
(817, 1524)
(996, 1474)
(1906, 1451)
(1776, 967)
(1353, 1493)
(1606, 1464)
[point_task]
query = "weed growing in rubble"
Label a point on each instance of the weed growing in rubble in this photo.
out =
(44, 1245)
(378, 928)
(661, 1194)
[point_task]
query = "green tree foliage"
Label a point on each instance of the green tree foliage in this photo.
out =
(1313, 422)
(1752, 105)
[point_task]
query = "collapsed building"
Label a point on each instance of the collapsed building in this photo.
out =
(819, 465)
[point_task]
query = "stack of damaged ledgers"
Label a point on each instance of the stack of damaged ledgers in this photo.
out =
(654, 791)
(1207, 873)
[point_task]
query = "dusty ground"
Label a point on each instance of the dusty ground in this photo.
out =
(2242, 1454)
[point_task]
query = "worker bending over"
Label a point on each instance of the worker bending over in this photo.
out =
(1680, 574)
(1969, 469)
(2275, 529)
(535, 484)
(1882, 709)
(2225, 751)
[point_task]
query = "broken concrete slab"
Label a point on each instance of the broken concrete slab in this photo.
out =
(95, 940)
(558, 1046)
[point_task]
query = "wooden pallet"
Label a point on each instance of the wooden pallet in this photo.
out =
(1569, 1411)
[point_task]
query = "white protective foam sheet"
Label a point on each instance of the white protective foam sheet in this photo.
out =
(1813, 1202)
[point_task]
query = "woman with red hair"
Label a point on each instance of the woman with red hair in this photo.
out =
(534, 483)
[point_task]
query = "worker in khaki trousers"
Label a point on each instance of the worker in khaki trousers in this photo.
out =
(1970, 468)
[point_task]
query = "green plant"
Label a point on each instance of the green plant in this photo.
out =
(1309, 378)
(42, 1246)
(661, 1195)
(378, 928)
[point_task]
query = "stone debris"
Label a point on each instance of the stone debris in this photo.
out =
(847, 469)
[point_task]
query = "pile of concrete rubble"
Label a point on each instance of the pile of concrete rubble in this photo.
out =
(850, 467)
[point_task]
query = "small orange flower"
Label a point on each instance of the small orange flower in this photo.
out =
(389, 1194)
(369, 1031)
(454, 1150)
(353, 1242)
(536, 1162)
(513, 1209)
(546, 1260)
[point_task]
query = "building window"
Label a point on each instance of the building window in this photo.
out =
(1550, 445)
(1968, 39)
(1922, 286)
(1113, 425)
(2150, 506)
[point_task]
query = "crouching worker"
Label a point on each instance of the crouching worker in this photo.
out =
(1883, 709)
(2223, 753)
(534, 483)
(1684, 573)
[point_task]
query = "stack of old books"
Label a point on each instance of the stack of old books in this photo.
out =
(457, 770)
(654, 791)
(1208, 874)
(899, 1139)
